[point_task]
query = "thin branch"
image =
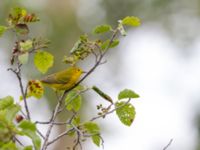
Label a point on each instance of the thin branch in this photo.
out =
(64, 133)
(102, 141)
(37, 48)
(42, 122)
(95, 55)
(18, 141)
(103, 62)
(17, 72)
(45, 145)
(76, 129)
(72, 117)
(40, 133)
(60, 136)
(48, 122)
(170, 142)
(109, 112)
(78, 141)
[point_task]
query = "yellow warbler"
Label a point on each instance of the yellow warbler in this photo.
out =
(63, 80)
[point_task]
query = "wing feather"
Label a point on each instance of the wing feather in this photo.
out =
(58, 78)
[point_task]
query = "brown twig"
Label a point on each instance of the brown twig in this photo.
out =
(170, 142)
(48, 122)
(18, 141)
(78, 141)
(40, 133)
(60, 136)
(17, 72)
(65, 132)
(45, 145)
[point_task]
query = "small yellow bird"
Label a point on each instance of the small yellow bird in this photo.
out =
(63, 80)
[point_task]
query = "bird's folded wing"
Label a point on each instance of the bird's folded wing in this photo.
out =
(53, 80)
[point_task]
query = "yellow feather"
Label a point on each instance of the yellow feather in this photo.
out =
(63, 80)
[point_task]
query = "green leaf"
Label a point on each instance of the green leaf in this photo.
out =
(96, 140)
(23, 58)
(6, 102)
(91, 127)
(102, 29)
(105, 44)
(28, 148)
(5, 133)
(11, 112)
(25, 46)
(2, 30)
(8, 111)
(114, 43)
(43, 61)
(131, 21)
(126, 93)
(29, 129)
(73, 101)
(76, 121)
(9, 146)
(125, 112)
(27, 125)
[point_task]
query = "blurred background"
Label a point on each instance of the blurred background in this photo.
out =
(160, 60)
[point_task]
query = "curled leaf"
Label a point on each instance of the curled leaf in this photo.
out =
(102, 94)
